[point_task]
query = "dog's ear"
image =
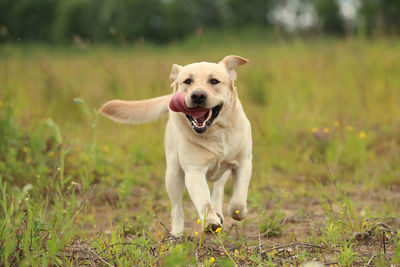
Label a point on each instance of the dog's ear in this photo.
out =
(231, 62)
(174, 72)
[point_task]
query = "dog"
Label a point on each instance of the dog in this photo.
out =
(208, 138)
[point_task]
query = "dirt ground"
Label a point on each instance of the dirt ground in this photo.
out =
(285, 247)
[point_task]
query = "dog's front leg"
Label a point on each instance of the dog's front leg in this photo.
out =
(241, 178)
(199, 192)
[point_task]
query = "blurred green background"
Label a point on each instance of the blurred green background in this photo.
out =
(160, 21)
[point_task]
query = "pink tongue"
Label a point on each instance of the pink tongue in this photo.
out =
(177, 104)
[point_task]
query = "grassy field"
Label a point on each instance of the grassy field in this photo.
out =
(79, 189)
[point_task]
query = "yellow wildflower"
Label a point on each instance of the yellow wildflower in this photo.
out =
(273, 252)
(106, 149)
(212, 260)
(196, 233)
(326, 130)
(314, 129)
(362, 135)
(349, 128)
(218, 230)
(337, 123)
(52, 154)
(198, 221)
(25, 149)
(237, 211)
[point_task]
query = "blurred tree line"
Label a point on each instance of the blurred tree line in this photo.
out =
(165, 20)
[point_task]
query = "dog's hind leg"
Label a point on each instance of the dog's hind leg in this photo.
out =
(217, 197)
(175, 184)
(237, 207)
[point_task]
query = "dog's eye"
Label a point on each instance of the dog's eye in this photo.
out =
(188, 81)
(214, 81)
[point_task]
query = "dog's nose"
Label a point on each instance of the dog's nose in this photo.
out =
(198, 97)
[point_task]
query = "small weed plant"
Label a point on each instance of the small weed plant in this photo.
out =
(347, 256)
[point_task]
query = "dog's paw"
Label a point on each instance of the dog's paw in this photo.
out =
(237, 211)
(212, 228)
(213, 223)
(176, 234)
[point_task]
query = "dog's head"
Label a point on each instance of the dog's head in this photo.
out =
(203, 89)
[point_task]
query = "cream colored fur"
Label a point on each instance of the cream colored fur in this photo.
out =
(136, 111)
(225, 149)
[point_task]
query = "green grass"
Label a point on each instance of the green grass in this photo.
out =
(77, 188)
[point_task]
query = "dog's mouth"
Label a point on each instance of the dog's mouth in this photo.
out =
(201, 124)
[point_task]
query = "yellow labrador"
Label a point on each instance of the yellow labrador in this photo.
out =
(208, 138)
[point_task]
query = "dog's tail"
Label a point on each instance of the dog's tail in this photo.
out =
(136, 111)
